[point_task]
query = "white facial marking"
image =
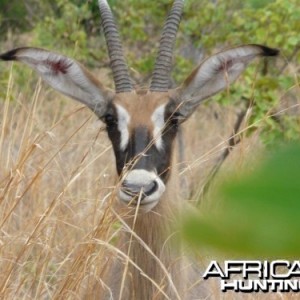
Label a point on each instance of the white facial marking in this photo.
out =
(123, 121)
(158, 119)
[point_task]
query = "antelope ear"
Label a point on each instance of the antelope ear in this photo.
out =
(215, 74)
(64, 75)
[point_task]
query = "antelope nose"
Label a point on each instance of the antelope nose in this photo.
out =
(142, 188)
(133, 189)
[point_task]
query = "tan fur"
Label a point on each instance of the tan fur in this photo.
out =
(175, 276)
(108, 94)
(140, 105)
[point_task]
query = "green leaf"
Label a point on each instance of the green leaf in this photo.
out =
(259, 214)
(294, 40)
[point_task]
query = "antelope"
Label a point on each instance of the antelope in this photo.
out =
(142, 125)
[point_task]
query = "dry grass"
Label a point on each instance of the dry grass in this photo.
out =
(56, 176)
(57, 183)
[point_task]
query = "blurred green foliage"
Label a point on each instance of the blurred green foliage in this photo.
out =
(73, 28)
(257, 214)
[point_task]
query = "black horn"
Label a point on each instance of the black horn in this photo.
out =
(163, 64)
(115, 51)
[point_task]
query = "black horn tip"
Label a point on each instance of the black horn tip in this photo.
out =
(269, 51)
(10, 55)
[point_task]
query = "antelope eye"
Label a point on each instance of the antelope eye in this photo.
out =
(175, 119)
(110, 120)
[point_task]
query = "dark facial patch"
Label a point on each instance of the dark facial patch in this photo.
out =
(141, 151)
(111, 121)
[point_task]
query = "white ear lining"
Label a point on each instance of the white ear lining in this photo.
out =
(216, 74)
(64, 75)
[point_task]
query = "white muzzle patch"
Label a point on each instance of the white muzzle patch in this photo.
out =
(141, 188)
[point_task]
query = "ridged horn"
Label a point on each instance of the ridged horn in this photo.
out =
(163, 63)
(115, 51)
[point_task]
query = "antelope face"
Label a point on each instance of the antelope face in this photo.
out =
(142, 128)
(141, 125)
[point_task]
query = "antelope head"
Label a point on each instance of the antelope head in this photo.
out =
(141, 124)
